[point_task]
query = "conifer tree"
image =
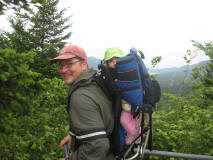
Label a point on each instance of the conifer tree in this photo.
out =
(205, 76)
(5, 3)
(32, 113)
(41, 28)
(32, 102)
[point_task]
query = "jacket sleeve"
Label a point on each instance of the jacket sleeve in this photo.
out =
(85, 116)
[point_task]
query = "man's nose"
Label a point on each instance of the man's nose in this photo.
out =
(63, 69)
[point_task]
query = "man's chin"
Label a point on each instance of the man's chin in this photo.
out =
(68, 82)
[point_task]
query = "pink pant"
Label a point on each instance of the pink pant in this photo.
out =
(130, 125)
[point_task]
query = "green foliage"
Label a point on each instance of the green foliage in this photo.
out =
(155, 61)
(4, 4)
(187, 126)
(183, 128)
(190, 55)
(177, 83)
(33, 116)
(42, 29)
(205, 77)
(33, 103)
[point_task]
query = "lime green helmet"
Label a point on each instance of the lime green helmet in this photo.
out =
(113, 52)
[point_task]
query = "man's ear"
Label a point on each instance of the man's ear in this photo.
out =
(85, 65)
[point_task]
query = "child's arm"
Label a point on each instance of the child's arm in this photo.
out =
(125, 106)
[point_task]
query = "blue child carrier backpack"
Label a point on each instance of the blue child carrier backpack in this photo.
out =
(129, 81)
(134, 81)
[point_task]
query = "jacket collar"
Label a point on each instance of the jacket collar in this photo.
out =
(83, 80)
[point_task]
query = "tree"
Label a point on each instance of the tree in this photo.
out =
(204, 75)
(5, 3)
(42, 29)
(187, 126)
(33, 112)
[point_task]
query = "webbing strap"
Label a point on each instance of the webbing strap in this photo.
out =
(68, 99)
(90, 135)
(126, 61)
(129, 89)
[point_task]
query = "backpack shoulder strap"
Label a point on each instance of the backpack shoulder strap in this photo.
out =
(68, 99)
(106, 83)
(99, 81)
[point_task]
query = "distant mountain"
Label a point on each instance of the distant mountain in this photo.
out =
(177, 69)
(170, 79)
(93, 62)
(176, 80)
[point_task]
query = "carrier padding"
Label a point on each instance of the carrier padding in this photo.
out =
(129, 79)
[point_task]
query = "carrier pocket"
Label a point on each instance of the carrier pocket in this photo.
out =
(128, 76)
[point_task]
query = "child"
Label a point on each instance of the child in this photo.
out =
(129, 123)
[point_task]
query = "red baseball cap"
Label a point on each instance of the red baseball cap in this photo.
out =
(69, 52)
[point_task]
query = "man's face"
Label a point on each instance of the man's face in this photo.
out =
(71, 69)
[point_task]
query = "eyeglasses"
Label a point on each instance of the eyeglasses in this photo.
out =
(67, 65)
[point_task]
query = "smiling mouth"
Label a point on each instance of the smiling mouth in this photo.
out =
(67, 75)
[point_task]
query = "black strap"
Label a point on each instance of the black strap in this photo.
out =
(142, 126)
(150, 135)
(105, 74)
(125, 61)
(143, 76)
(92, 134)
(107, 84)
(147, 108)
(129, 89)
(100, 83)
(141, 70)
(68, 100)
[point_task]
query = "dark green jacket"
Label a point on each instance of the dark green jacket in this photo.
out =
(90, 112)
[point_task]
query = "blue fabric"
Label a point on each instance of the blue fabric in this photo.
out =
(133, 50)
(122, 137)
(133, 97)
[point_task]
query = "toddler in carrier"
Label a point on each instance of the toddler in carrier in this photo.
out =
(128, 122)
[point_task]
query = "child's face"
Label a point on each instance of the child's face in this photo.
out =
(112, 62)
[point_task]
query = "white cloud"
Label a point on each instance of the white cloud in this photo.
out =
(156, 27)
(164, 27)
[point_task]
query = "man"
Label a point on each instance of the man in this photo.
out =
(90, 111)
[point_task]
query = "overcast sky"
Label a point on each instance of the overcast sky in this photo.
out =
(157, 27)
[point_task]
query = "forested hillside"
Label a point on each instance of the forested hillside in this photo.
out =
(176, 80)
(185, 123)
(187, 68)
(33, 116)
